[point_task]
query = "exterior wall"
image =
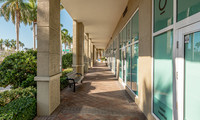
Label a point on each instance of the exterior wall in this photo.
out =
(145, 52)
(145, 57)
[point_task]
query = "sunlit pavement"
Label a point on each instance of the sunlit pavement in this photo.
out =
(99, 97)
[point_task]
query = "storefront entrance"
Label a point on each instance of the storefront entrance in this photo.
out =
(188, 65)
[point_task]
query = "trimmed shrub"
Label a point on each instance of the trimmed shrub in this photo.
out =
(103, 59)
(67, 60)
(19, 109)
(19, 69)
(63, 82)
(8, 96)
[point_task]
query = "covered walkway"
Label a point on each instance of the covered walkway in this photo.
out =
(100, 97)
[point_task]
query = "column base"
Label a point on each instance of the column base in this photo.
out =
(79, 68)
(86, 67)
(48, 94)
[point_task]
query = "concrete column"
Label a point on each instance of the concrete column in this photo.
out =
(92, 54)
(117, 58)
(48, 56)
(78, 47)
(86, 52)
(95, 54)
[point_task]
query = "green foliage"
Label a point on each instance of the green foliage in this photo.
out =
(8, 96)
(66, 71)
(103, 59)
(63, 82)
(67, 60)
(19, 69)
(19, 109)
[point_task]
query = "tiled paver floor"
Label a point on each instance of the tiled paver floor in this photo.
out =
(99, 97)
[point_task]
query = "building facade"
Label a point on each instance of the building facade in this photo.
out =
(152, 46)
(156, 48)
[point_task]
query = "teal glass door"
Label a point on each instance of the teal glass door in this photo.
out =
(192, 76)
(120, 63)
(124, 64)
(128, 67)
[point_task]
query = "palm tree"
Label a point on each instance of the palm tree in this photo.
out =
(61, 7)
(64, 34)
(69, 40)
(12, 44)
(7, 43)
(18, 12)
(32, 18)
(21, 44)
(1, 44)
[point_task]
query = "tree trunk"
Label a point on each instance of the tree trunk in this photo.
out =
(34, 41)
(17, 29)
(70, 46)
(65, 47)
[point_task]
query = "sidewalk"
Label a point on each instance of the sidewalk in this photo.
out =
(100, 97)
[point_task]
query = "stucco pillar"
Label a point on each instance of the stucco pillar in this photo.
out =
(92, 54)
(95, 54)
(48, 56)
(117, 58)
(86, 52)
(78, 47)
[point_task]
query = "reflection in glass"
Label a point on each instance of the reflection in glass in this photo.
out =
(163, 14)
(120, 63)
(163, 76)
(128, 66)
(134, 68)
(135, 27)
(128, 32)
(124, 36)
(120, 40)
(192, 72)
(187, 8)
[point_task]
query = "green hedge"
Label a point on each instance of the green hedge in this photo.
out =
(63, 82)
(18, 104)
(8, 96)
(19, 69)
(67, 60)
(19, 109)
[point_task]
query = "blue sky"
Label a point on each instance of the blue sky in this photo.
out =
(7, 29)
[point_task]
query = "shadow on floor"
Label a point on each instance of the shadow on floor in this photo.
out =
(99, 97)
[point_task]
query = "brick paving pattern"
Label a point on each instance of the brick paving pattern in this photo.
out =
(99, 97)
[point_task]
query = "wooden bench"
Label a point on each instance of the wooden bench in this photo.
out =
(74, 78)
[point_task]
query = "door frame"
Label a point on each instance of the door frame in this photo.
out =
(180, 65)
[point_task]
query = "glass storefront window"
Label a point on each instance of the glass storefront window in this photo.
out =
(163, 75)
(135, 27)
(120, 64)
(134, 68)
(163, 14)
(128, 67)
(187, 8)
(120, 40)
(128, 32)
(124, 36)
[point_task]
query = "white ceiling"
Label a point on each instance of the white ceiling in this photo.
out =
(100, 17)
